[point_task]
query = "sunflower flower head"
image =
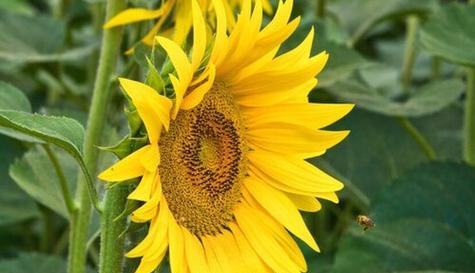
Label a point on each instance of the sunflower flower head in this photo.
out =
(224, 174)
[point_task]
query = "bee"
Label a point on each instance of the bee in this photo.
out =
(365, 222)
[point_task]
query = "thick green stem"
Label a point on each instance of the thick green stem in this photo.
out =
(112, 244)
(412, 24)
(63, 183)
(321, 6)
(100, 99)
(418, 137)
(469, 120)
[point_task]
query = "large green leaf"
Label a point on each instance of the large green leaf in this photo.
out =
(428, 99)
(15, 204)
(424, 223)
(358, 16)
(450, 34)
(34, 39)
(36, 175)
(378, 149)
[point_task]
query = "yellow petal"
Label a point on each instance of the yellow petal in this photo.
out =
(157, 232)
(176, 248)
(133, 15)
(284, 138)
(274, 96)
(291, 174)
(279, 233)
(183, 21)
(330, 196)
(311, 115)
(262, 240)
(127, 168)
(220, 41)
(249, 256)
(195, 254)
(226, 252)
(151, 159)
(199, 36)
(147, 266)
(178, 58)
(305, 203)
(151, 106)
(148, 210)
(195, 96)
(144, 188)
(211, 256)
(281, 208)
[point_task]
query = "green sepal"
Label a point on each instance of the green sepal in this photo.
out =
(153, 78)
(126, 146)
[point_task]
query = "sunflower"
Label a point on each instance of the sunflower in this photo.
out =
(182, 18)
(224, 174)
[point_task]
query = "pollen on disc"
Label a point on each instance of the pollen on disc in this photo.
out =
(203, 163)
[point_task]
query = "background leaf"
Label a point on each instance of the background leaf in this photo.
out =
(438, 235)
(34, 262)
(36, 38)
(450, 34)
(36, 175)
(16, 205)
(427, 99)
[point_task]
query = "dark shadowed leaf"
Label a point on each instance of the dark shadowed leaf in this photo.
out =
(450, 34)
(35, 262)
(370, 157)
(36, 175)
(424, 222)
(15, 204)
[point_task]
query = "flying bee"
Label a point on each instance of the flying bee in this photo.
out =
(365, 222)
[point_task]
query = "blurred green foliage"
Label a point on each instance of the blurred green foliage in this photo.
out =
(401, 62)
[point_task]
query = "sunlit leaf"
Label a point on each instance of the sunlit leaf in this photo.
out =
(450, 34)
(359, 16)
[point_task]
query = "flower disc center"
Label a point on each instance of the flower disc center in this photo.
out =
(203, 163)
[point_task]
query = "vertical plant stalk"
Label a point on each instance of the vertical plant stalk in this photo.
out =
(469, 119)
(112, 244)
(63, 183)
(100, 99)
(321, 8)
(419, 138)
(412, 25)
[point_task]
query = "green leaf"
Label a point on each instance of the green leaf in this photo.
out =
(359, 16)
(36, 175)
(64, 132)
(450, 34)
(16, 205)
(35, 39)
(13, 99)
(35, 262)
(424, 222)
(427, 99)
